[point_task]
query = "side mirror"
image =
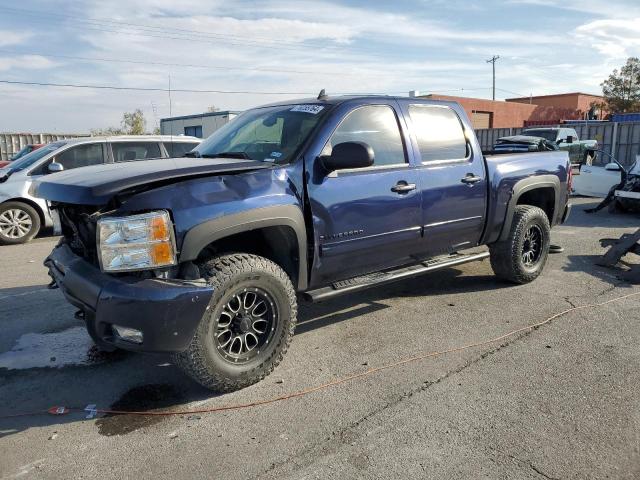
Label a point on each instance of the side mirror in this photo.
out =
(348, 155)
(55, 167)
(612, 167)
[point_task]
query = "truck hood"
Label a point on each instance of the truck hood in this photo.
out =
(96, 185)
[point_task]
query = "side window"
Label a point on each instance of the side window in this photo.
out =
(195, 131)
(178, 149)
(130, 151)
(377, 126)
(81, 156)
(439, 133)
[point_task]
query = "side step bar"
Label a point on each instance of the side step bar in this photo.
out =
(375, 279)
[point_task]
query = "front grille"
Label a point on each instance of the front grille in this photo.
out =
(79, 230)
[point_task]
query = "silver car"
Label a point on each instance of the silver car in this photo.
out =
(23, 216)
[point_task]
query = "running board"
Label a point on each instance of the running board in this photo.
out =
(380, 278)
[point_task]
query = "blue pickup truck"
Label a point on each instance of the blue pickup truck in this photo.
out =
(206, 257)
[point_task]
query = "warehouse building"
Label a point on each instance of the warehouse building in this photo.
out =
(526, 111)
(200, 125)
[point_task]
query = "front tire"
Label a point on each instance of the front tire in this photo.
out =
(19, 223)
(247, 327)
(522, 257)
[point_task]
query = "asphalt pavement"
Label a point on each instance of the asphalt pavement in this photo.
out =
(558, 402)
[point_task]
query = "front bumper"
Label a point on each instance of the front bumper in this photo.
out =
(167, 312)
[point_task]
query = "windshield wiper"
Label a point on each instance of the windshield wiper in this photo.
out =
(192, 154)
(242, 155)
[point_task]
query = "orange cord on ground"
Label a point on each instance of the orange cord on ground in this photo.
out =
(355, 376)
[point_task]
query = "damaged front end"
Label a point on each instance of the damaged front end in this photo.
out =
(143, 309)
(625, 196)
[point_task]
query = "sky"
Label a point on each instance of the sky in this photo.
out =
(240, 54)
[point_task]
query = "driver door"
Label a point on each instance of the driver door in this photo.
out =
(366, 219)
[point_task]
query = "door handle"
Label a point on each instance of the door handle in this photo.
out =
(403, 187)
(470, 179)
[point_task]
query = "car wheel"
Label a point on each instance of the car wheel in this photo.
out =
(522, 257)
(19, 223)
(247, 326)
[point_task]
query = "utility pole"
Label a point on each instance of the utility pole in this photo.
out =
(493, 61)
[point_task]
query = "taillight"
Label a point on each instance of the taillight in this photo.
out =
(570, 179)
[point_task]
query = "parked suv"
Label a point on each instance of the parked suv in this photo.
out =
(322, 197)
(23, 215)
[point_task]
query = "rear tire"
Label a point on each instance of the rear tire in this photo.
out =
(522, 257)
(19, 223)
(247, 326)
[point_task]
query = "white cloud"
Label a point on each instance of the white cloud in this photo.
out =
(614, 38)
(27, 62)
(343, 48)
(9, 38)
(601, 8)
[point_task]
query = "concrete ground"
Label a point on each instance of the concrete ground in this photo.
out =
(558, 402)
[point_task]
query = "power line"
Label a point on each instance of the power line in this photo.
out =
(513, 93)
(174, 90)
(161, 32)
(145, 89)
(187, 65)
(187, 90)
(190, 32)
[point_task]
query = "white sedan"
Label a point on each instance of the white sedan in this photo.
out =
(593, 181)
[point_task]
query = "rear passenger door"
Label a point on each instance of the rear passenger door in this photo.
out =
(451, 177)
(132, 151)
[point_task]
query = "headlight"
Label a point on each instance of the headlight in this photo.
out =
(137, 242)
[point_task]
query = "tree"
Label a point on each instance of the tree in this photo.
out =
(132, 123)
(622, 89)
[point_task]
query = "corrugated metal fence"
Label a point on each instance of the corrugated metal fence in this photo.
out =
(11, 143)
(620, 139)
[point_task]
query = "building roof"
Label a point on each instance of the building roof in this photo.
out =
(555, 95)
(201, 115)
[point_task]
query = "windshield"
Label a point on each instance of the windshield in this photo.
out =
(547, 134)
(270, 134)
(34, 156)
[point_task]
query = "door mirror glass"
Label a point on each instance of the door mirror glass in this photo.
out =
(612, 167)
(55, 167)
(349, 155)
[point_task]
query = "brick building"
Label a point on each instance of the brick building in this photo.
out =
(519, 112)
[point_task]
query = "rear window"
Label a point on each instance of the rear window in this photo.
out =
(178, 149)
(547, 134)
(439, 133)
(131, 151)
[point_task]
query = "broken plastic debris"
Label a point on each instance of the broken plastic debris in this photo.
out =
(58, 410)
(92, 411)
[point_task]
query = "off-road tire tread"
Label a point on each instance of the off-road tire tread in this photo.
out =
(505, 255)
(219, 273)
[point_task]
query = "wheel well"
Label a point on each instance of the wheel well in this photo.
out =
(278, 243)
(33, 204)
(543, 198)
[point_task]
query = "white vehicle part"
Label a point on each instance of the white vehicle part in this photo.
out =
(595, 181)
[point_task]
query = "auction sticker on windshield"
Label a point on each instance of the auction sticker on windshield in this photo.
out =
(313, 109)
